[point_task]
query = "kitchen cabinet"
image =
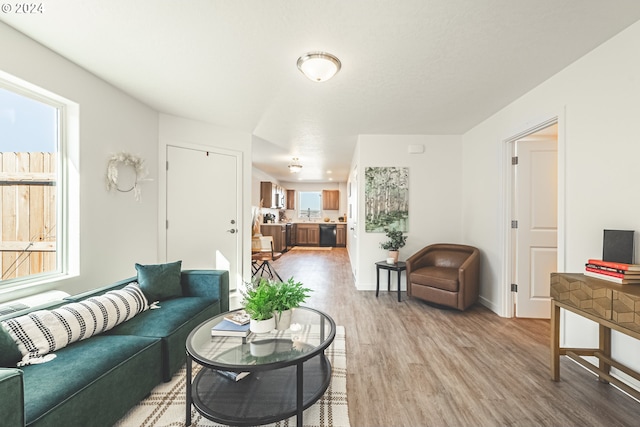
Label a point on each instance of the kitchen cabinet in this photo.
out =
(272, 195)
(307, 234)
(330, 200)
(341, 235)
(278, 232)
(291, 199)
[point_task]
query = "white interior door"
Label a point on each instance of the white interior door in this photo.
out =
(202, 210)
(536, 240)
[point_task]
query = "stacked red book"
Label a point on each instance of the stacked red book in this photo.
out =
(613, 271)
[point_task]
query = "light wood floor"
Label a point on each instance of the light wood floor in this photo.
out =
(412, 364)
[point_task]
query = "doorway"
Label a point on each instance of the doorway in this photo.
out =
(533, 250)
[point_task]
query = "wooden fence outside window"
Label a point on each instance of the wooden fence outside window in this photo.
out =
(27, 214)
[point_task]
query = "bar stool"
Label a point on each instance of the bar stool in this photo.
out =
(262, 257)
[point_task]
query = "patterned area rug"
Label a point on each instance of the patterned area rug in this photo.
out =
(311, 248)
(165, 405)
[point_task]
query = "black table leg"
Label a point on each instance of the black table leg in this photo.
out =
(388, 280)
(299, 394)
(399, 275)
(188, 392)
(377, 280)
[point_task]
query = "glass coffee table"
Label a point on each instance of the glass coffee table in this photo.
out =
(288, 371)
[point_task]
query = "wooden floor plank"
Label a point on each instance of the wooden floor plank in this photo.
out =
(414, 364)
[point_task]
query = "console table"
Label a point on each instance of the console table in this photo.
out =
(613, 306)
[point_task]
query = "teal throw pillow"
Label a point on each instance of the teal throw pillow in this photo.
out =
(160, 281)
(9, 353)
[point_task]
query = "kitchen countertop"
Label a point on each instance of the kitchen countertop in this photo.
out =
(304, 222)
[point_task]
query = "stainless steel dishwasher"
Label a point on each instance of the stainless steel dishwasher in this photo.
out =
(327, 234)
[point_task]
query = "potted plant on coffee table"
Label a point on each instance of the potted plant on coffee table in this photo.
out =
(396, 241)
(287, 296)
(259, 305)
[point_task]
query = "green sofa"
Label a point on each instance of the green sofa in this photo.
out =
(94, 382)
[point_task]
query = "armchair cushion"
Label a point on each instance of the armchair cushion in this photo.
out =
(439, 277)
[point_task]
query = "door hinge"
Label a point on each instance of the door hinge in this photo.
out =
(514, 287)
(167, 165)
(514, 223)
(514, 160)
(167, 224)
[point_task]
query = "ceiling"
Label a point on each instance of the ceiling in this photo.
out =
(408, 67)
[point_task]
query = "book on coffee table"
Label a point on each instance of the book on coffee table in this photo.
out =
(227, 328)
(234, 376)
(238, 317)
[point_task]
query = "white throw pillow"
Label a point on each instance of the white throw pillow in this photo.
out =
(41, 332)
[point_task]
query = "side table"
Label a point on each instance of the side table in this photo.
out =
(398, 267)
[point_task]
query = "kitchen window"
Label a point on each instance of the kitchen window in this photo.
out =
(310, 203)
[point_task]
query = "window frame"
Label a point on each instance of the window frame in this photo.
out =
(67, 184)
(302, 212)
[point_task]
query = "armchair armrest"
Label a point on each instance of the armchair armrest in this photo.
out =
(468, 276)
(12, 392)
(213, 284)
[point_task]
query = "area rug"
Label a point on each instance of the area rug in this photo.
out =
(311, 248)
(165, 406)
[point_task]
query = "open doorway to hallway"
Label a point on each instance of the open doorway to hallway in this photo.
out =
(533, 236)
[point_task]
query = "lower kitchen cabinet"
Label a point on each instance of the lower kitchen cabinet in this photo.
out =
(307, 234)
(278, 232)
(341, 235)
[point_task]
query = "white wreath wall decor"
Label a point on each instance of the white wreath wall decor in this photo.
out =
(125, 159)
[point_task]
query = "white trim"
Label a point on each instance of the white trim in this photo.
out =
(506, 308)
(67, 184)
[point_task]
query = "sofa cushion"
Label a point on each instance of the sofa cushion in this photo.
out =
(160, 281)
(437, 277)
(85, 374)
(44, 331)
(9, 353)
(172, 322)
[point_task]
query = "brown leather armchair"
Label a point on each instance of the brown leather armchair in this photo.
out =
(445, 274)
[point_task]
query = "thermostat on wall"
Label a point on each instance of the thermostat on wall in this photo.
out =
(416, 149)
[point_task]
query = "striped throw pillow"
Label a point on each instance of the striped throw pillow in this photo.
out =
(40, 333)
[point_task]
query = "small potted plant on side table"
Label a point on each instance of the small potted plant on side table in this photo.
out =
(258, 303)
(287, 296)
(396, 241)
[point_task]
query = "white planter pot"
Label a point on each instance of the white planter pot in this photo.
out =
(262, 326)
(262, 348)
(283, 319)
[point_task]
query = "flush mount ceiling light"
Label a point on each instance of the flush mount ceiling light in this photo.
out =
(319, 66)
(295, 166)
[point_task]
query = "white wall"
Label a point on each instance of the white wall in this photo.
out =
(435, 179)
(115, 230)
(598, 101)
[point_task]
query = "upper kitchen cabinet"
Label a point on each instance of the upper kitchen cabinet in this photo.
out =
(330, 200)
(291, 199)
(272, 195)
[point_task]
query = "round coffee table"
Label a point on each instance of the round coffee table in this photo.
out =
(288, 371)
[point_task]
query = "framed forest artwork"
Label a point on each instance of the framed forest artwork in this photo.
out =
(386, 199)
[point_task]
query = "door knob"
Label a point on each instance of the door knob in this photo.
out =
(232, 230)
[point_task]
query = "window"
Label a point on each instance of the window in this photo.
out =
(310, 204)
(34, 207)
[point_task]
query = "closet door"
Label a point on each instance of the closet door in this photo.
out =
(202, 210)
